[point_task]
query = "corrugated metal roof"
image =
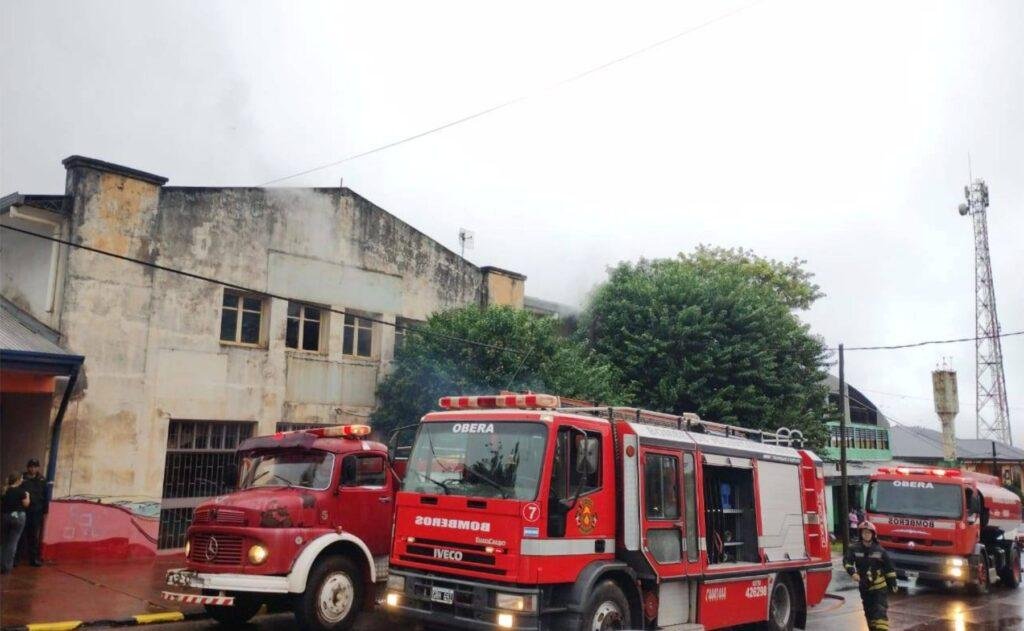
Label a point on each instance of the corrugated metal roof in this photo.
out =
(921, 443)
(16, 336)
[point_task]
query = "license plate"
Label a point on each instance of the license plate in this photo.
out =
(442, 595)
(181, 578)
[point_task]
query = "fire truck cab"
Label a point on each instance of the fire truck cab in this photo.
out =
(517, 513)
(309, 527)
(947, 526)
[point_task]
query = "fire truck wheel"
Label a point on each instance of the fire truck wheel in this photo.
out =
(333, 596)
(1010, 575)
(606, 609)
(782, 607)
(245, 607)
(980, 585)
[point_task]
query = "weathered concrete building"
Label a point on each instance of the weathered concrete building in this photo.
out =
(177, 370)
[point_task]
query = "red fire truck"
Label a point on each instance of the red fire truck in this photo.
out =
(518, 513)
(947, 525)
(309, 527)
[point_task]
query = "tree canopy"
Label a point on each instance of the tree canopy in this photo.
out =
(714, 332)
(529, 353)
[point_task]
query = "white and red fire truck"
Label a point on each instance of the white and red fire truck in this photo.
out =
(947, 526)
(518, 513)
(309, 528)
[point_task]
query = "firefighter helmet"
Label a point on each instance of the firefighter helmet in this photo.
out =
(866, 525)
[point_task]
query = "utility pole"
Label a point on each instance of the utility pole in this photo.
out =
(994, 465)
(991, 406)
(844, 502)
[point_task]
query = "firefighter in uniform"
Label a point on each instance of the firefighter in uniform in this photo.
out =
(868, 564)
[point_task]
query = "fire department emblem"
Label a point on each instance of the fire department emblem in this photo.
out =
(586, 515)
(212, 547)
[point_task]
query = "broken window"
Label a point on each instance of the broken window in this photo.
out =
(241, 318)
(358, 338)
(304, 330)
(402, 327)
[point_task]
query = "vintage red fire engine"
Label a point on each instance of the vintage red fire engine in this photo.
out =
(518, 513)
(309, 527)
(947, 525)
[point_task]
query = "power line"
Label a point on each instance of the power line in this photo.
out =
(523, 97)
(259, 292)
(928, 342)
(911, 396)
(910, 428)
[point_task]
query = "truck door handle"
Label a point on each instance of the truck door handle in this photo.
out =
(384, 500)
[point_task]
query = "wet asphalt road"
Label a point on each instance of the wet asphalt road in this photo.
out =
(916, 609)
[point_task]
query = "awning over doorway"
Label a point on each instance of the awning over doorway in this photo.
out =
(31, 361)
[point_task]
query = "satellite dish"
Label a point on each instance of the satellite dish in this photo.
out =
(964, 209)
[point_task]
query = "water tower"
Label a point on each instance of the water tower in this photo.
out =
(947, 405)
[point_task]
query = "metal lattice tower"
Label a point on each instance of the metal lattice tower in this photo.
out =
(993, 413)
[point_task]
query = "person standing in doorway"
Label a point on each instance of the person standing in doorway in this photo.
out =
(34, 482)
(13, 504)
(854, 520)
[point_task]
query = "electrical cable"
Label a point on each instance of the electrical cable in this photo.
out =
(917, 398)
(258, 292)
(518, 99)
(901, 424)
(927, 342)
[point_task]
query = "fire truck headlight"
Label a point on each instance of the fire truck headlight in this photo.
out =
(955, 572)
(506, 620)
(516, 602)
(391, 599)
(956, 562)
(188, 547)
(258, 554)
(396, 583)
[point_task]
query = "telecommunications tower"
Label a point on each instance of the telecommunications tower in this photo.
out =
(993, 413)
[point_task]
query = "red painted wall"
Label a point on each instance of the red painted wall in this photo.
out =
(85, 529)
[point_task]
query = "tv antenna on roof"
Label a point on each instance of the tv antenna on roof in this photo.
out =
(465, 241)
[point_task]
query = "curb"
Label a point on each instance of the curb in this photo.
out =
(140, 619)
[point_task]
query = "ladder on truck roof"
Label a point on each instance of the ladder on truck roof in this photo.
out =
(687, 421)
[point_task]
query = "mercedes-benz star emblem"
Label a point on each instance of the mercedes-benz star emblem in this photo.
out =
(211, 549)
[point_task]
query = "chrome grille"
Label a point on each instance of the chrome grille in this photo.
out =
(227, 549)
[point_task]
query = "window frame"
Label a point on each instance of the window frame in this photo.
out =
(357, 327)
(240, 310)
(569, 462)
(301, 319)
(357, 457)
(651, 457)
(402, 325)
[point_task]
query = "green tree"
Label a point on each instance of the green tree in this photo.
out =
(527, 353)
(714, 332)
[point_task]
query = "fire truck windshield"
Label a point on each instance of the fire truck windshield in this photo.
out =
(915, 498)
(479, 459)
(306, 469)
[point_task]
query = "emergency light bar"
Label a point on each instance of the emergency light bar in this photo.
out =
(952, 473)
(520, 401)
(342, 431)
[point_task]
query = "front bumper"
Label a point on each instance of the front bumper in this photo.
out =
(472, 608)
(228, 582)
(931, 567)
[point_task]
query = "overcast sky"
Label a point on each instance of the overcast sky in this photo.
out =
(833, 132)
